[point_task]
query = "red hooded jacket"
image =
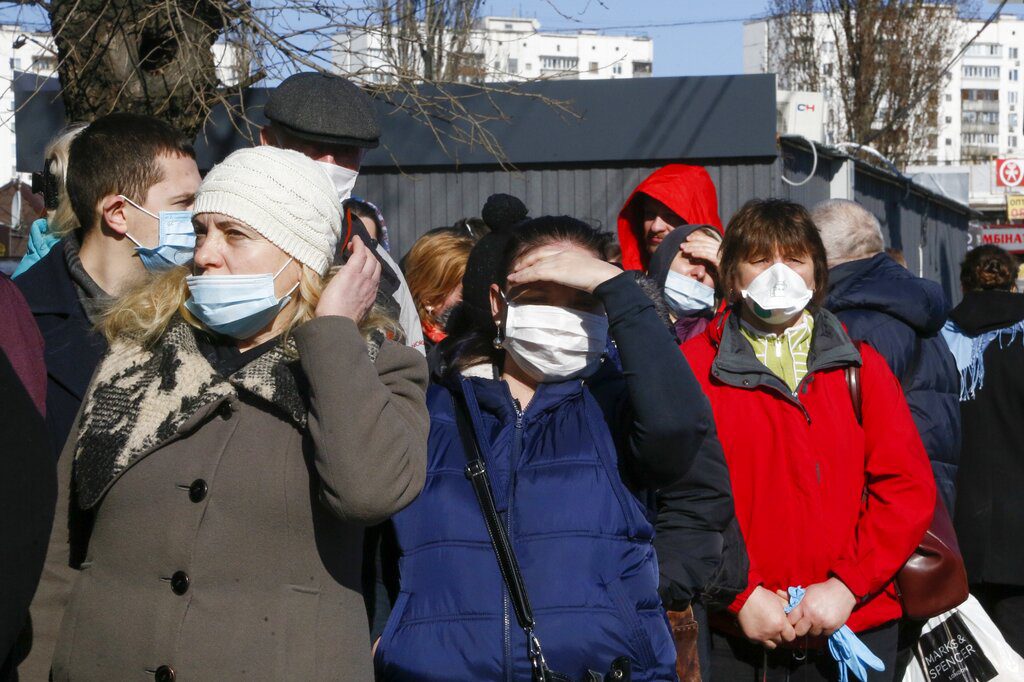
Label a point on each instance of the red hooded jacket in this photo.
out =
(800, 466)
(687, 190)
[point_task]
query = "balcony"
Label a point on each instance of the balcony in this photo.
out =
(979, 128)
(979, 105)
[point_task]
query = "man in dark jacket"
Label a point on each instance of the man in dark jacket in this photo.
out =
(123, 170)
(901, 316)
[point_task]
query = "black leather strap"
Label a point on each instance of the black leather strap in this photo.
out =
(476, 472)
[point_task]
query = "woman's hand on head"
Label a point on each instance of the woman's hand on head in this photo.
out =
(571, 268)
(353, 288)
(702, 246)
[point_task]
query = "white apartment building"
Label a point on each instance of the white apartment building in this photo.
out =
(33, 52)
(981, 106)
(513, 49)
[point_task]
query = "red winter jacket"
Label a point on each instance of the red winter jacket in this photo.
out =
(800, 465)
(687, 190)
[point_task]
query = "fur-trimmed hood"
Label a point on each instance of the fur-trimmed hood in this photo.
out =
(141, 398)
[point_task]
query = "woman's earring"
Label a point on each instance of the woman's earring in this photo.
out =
(499, 339)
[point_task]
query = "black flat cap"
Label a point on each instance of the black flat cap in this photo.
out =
(321, 108)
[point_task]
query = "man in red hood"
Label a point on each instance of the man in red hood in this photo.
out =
(671, 196)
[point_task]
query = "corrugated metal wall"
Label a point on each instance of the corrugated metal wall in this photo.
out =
(413, 203)
(932, 236)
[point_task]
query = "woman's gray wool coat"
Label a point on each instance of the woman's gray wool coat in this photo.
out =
(210, 528)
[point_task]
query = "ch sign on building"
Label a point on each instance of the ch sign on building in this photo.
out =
(1009, 172)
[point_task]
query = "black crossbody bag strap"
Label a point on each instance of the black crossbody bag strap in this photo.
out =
(476, 472)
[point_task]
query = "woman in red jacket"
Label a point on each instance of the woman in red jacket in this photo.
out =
(825, 501)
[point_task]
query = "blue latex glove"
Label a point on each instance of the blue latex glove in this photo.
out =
(850, 653)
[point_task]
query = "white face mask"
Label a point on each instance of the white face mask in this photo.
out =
(685, 295)
(344, 179)
(551, 343)
(777, 295)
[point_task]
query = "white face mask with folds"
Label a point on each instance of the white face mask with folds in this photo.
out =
(551, 343)
(777, 295)
(344, 179)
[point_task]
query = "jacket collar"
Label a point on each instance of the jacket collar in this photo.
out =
(142, 398)
(736, 364)
(48, 287)
(493, 396)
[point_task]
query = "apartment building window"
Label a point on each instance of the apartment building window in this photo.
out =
(513, 65)
(617, 69)
(1013, 121)
(593, 67)
(558, 63)
(949, 142)
(982, 117)
(1011, 97)
(949, 97)
(949, 119)
(984, 50)
(1014, 75)
(508, 27)
(974, 95)
(982, 72)
(1013, 53)
(976, 139)
(1011, 141)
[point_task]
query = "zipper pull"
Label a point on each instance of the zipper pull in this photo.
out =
(519, 412)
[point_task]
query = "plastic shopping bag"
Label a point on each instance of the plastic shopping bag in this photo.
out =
(964, 645)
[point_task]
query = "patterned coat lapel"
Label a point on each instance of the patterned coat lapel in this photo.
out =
(142, 398)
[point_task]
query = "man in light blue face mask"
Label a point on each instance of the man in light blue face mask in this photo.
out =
(685, 270)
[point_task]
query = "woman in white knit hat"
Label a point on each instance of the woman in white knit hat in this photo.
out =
(249, 419)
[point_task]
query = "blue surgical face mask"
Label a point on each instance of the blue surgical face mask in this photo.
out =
(177, 240)
(685, 295)
(236, 305)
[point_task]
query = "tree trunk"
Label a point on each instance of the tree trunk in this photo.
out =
(131, 55)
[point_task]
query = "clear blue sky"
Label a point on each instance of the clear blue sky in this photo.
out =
(681, 50)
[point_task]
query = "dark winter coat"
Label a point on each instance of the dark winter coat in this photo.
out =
(901, 315)
(989, 514)
(581, 534)
(73, 346)
(28, 490)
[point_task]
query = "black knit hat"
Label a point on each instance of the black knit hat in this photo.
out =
(661, 260)
(502, 213)
(327, 109)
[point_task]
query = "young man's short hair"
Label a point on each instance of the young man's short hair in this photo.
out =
(117, 154)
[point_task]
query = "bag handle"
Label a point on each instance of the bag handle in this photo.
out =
(476, 472)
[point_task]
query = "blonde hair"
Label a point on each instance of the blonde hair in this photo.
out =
(144, 313)
(61, 221)
(435, 266)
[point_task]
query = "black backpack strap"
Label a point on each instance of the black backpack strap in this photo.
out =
(476, 472)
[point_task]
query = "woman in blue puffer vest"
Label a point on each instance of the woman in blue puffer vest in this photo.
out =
(572, 445)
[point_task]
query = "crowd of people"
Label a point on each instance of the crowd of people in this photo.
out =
(244, 442)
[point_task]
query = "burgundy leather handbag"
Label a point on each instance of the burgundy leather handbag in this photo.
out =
(934, 579)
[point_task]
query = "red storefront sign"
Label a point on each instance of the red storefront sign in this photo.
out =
(1009, 237)
(1009, 172)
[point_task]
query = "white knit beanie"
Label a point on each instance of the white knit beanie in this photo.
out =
(283, 195)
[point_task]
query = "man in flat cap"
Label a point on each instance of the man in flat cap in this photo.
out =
(332, 121)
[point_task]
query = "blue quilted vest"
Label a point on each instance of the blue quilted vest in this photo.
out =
(582, 539)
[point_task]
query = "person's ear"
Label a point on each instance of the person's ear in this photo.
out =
(497, 305)
(113, 213)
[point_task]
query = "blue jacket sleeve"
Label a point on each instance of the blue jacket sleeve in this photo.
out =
(662, 415)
